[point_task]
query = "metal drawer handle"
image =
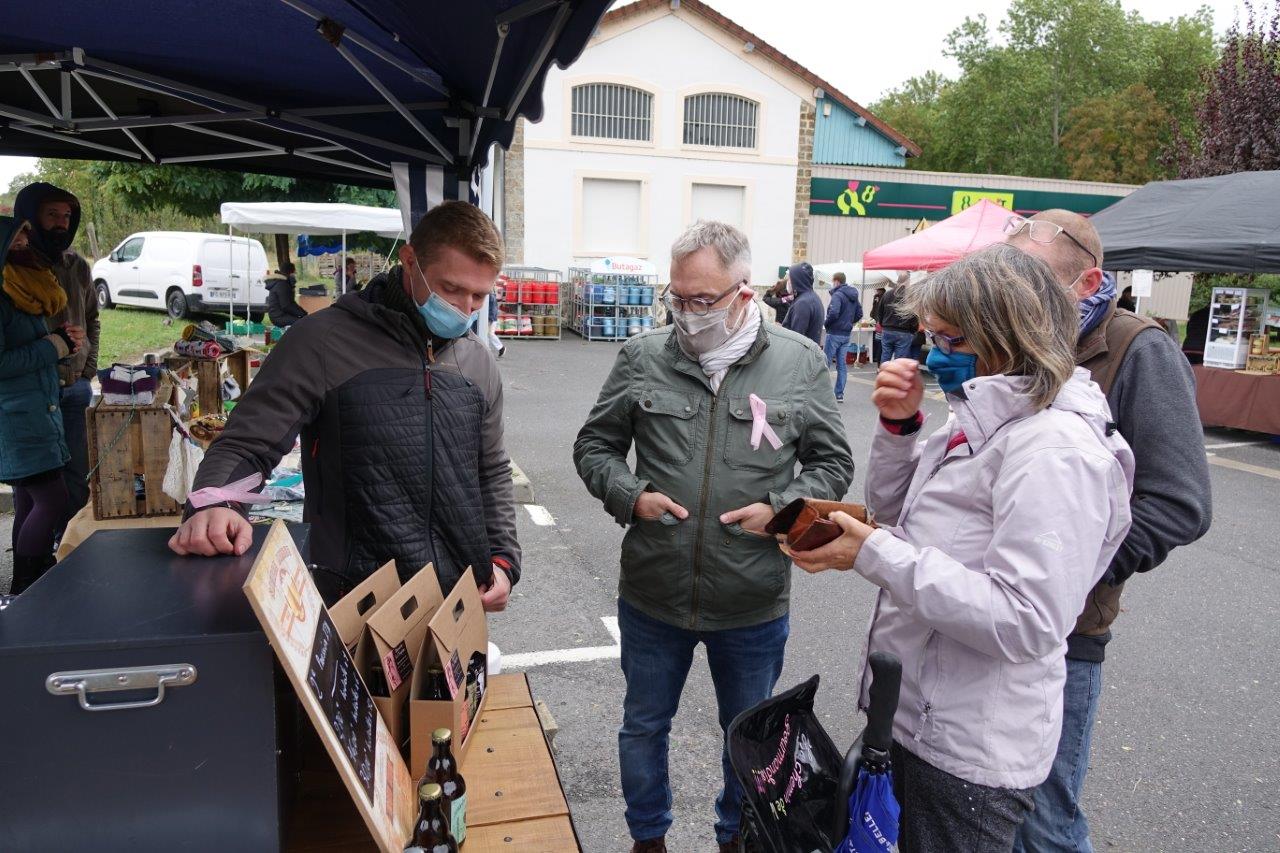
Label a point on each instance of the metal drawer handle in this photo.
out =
(83, 682)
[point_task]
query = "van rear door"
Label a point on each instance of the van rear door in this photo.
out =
(225, 266)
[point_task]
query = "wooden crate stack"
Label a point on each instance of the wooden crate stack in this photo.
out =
(124, 443)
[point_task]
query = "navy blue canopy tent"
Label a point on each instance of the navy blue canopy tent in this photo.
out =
(404, 93)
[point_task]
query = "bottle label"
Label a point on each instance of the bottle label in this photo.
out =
(458, 818)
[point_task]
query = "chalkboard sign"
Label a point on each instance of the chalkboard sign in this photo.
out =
(347, 705)
(302, 633)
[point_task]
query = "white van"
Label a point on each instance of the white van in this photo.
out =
(183, 272)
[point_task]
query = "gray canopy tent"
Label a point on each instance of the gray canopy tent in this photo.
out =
(1228, 224)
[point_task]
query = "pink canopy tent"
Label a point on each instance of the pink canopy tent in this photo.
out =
(950, 240)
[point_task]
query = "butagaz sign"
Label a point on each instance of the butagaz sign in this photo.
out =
(892, 200)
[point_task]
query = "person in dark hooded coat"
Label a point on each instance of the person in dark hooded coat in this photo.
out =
(806, 314)
(282, 305)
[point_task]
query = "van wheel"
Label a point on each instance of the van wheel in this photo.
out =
(175, 302)
(104, 294)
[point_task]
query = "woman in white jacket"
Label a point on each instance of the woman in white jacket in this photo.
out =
(991, 532)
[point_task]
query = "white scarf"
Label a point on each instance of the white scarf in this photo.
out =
(717, 362)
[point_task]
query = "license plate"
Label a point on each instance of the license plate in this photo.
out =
(219, 293)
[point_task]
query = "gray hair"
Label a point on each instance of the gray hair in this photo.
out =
(729, 244)
(1011, 310)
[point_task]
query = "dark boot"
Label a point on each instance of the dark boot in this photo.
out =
(28, 570)
(650, 845)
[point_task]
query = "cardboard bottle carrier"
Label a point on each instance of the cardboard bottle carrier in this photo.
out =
(408, 629)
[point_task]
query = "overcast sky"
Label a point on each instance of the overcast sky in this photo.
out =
(862, 47)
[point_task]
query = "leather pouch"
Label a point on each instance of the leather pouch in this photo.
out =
(806, 523)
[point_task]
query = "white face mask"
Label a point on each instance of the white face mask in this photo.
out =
(700, 334)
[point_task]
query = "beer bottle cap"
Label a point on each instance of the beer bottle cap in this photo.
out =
(430, 791)
(441, 736)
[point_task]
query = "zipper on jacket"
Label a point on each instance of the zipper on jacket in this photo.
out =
(702, 507)
(426, 381)
(924, 721)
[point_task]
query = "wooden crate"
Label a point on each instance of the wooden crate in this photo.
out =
(125, 443)
(208, 374)
(1263, 363)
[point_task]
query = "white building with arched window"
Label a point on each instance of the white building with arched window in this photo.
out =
(674, 113)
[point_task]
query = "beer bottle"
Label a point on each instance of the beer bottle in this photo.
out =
(431, 832)
(378, 681)
(442, 770)
(437, 689)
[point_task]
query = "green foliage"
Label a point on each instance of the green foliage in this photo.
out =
(119, 199)
(1117, 137)
(1202, 289)
(1023, 91)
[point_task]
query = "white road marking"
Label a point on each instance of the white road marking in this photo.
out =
(1234, 444)
(1273, 473)
(540, 515)
(582, 655)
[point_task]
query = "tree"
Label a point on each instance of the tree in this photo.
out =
(913, 108)
(1117, 138)
(1237, 122)
(1014, 105)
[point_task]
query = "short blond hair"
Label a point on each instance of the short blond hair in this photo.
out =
(460, 226)
(1011, 311)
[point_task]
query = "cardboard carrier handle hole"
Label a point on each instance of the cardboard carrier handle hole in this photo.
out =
(458, 610)
(366, 604)
(409, 607)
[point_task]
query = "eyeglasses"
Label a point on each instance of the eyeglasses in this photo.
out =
(944, 343)
(1044, 232)
(696, 305)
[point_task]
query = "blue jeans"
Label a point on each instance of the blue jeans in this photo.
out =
(837, 346)
(75, 399)
(895, 344)
(745, 664)
(1057, 822)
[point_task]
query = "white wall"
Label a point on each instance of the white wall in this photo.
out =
(671, 57)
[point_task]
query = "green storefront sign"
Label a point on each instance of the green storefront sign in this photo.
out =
(891, 200)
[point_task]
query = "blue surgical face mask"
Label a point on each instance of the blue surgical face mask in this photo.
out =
(952, 369)
(443, 319)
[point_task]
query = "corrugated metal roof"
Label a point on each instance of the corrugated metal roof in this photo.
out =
(846, 139)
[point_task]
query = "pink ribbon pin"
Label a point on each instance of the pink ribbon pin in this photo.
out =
(237, 492)
(760, 425)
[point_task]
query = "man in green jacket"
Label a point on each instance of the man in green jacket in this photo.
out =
(720, 407)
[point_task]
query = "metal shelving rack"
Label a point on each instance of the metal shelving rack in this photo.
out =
(611, 306)
(529, 304)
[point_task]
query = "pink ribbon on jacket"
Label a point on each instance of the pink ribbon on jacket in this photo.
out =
(760, 425)
(237, 492)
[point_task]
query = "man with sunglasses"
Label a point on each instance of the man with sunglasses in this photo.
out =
(720, 407)
(1151, 391)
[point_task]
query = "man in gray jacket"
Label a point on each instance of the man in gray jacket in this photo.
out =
(720, 407)
(400, 413)
(1152, 395)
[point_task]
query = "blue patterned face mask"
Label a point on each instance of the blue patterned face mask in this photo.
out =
(443, 319)
(951, 369)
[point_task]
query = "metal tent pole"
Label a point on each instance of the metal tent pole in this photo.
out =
(231, 285)
(344, 261)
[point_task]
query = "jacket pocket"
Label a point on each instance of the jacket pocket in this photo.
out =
(928, 677)
(746, 573)
(738, 452)
(665, 424)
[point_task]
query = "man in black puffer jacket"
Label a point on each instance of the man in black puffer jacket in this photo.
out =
(400, 412)
(282, 305)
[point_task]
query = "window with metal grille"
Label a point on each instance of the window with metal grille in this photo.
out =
(612, 111)
(721, 120)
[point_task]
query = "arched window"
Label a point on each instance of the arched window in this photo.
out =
(720, 120)
(612, 111)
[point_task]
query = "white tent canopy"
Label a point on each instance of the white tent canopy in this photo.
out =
(287, 217)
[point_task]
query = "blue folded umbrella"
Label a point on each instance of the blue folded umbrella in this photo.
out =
(873, 815)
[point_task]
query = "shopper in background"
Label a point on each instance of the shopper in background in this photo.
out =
(805, 315)
(900, 326)
(844, 311)
(53, 230)
(33, 449)
(876, 346)
(400, 411)
(344, 277)
(1126, 301)
(990, 534)
(719, 408)
(283, 309)
(1153, 402)
(779, 299)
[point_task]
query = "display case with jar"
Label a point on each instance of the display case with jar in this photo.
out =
(1236, 314)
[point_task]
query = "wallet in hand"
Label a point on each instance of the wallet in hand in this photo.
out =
(806, 522)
